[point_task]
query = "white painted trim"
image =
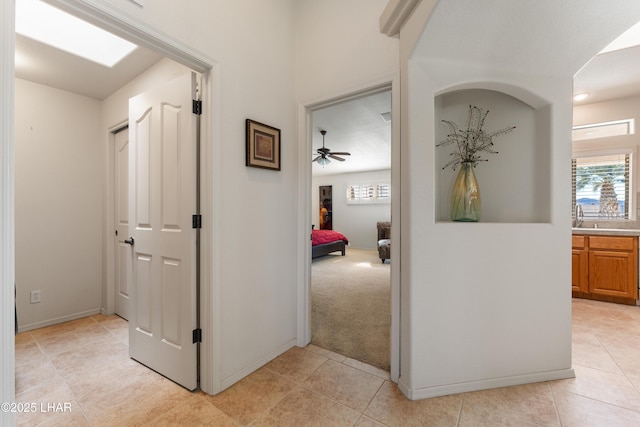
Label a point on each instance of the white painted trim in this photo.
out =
(304, 229)
(7, 237)
(396, 257)
(210, 241)
(117, 21)
(229, 381)
(305, 109)
(131, 28)
(109, 287)
(49, 322)
(425, 393)
(395, 14)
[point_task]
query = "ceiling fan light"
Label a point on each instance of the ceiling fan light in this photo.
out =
(323, 161)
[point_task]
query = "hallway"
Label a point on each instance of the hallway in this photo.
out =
(84, 363)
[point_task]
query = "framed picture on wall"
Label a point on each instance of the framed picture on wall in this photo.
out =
(263, 146)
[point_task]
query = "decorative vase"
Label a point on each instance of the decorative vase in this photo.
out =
(465, 195)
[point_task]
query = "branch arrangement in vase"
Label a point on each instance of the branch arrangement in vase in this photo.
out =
(472, 142)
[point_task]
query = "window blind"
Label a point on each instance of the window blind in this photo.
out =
(369, 193)
(600, 184)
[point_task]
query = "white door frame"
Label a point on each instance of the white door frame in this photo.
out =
(305, 110)
(7, 248)
(109, 289)
(118, 22)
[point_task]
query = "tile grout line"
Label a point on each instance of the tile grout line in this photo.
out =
(362, 413)
(64, 380)
(385, 378)
(463, 397)
(555, 404)
(304, 386)
(59, 374)
(604, 347)
(371, 401)
(603, 402)
(623, 371)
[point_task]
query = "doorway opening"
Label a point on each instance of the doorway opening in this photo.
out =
(145, 36)
(350, 310)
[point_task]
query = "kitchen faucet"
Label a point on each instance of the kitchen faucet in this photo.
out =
(579, 215)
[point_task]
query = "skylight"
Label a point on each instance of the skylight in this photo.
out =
(46, 24)
(629, 38)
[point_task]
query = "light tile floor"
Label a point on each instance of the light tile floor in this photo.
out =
(84, 364)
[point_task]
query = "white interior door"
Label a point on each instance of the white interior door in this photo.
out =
(162, 200)
(122, 257)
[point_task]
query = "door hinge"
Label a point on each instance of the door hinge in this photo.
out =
(196, 221)
(197, 107)
(197, 335)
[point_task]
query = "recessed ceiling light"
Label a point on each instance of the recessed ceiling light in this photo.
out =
(581, 97)
(46, 24)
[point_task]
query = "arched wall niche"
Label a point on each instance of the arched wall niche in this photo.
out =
(515, 184)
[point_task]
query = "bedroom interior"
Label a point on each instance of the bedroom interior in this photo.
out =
(350, 286)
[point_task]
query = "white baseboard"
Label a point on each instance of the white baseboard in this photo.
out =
(44, 323)
(105, 312)
(425, 393)
(231, 380)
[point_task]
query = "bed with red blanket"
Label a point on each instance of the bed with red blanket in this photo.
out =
(324, 242)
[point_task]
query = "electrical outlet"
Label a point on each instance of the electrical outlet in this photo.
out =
(35, 297)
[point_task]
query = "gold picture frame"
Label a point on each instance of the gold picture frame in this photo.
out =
(263, 146)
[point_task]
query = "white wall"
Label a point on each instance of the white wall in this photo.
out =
(356, 221)
(58, 164)
(339, 47)
(487, 282)
(253, 264)
(615, 109)
(478, 291)
(7, 209)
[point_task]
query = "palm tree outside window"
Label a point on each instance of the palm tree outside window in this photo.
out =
(600, 185)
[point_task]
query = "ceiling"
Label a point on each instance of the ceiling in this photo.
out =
(609, 76)
(40, 63)
(354, 126)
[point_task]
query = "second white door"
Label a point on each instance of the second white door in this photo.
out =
(122, 257)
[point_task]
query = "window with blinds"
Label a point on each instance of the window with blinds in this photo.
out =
(369, 193)
(600, 184)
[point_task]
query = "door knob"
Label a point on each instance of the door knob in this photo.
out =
(129, 241)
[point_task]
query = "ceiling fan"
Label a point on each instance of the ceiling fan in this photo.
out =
(325, 154)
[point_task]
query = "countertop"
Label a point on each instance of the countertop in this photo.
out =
(607, 231)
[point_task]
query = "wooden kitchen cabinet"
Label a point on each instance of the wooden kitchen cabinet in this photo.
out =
(605, 268)
(579, 264)
(613, 266)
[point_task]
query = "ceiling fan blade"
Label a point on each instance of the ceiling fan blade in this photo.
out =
(341, 153)
(335, 157)
(316, 159)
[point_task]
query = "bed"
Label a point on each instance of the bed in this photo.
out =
(324, 242)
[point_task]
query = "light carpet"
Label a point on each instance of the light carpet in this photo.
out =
(351, 306)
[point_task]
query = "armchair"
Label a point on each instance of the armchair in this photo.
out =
(384, 240)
